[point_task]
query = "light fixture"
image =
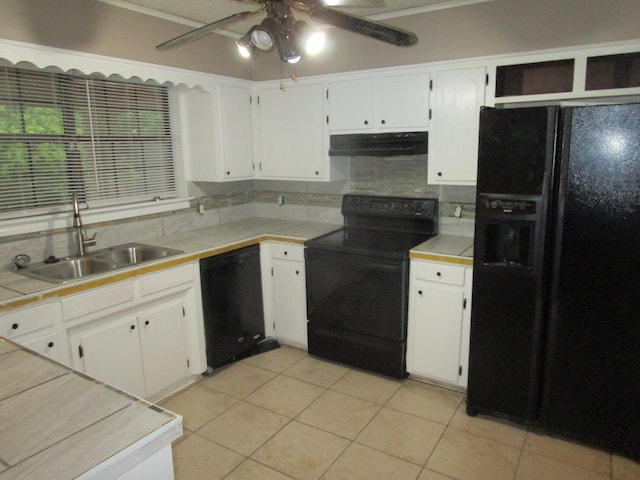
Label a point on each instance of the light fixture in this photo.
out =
(281, 29)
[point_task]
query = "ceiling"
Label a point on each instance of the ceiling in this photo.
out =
(196, 13)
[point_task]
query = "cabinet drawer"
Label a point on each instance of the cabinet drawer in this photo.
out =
(438, 272)
(287, 252)
(164, 279)
(92, 302)
(24, 321)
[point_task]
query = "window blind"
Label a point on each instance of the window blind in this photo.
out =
(108, 141)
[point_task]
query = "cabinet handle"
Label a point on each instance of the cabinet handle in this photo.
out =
(439, 174)
(384, 121)
(438, 274)
(286, 253)
(366, 122)
(297, 272)
(147, 322)
(132, 327)
(15, 326)
(420, 292)
(228, 172)
(50, 344)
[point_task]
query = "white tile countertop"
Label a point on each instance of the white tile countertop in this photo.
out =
(446, 248)
(58, 423)
(17, 290)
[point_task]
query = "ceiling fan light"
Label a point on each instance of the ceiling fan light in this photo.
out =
(288, 47)
(314, 43)
(263, 35)
(245, 47)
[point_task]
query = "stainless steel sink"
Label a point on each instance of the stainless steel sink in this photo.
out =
(133, 254)
(95, 263)
(68, 269)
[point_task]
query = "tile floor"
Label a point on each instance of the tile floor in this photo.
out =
(284, 414)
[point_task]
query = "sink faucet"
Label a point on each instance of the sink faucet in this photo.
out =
(81, 242)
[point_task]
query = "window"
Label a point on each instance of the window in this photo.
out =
(108, 141)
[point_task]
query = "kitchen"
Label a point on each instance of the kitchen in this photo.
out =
(303, 200)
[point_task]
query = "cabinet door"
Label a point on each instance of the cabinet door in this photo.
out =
(403, 102)
(236, 132)
(111, 353)
(163, 352)
(292, 136)
(435, 331)
(351, 105)
(453, 141)
(289, 301)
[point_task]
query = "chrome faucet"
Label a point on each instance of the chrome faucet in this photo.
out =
(81, 242)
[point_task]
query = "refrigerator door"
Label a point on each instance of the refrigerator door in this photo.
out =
(592, 375)
(515, 166)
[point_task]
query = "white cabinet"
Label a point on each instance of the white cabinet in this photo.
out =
(236, 132)
(291, 135)
(453, 137)
(285, 293)
(33, 327)
(142, 354)
(144, 335)
(386, 102)
(439, 317)
(214, 132)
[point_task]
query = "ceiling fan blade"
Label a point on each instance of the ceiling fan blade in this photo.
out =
(204, 30)
(343, 3)
(363, 26)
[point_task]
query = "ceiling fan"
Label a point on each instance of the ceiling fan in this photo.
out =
(280, 28)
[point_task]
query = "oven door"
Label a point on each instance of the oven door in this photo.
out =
(363, 294)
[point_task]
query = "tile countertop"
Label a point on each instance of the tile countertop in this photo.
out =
(57, 423)
(446, 248)
(17, 290)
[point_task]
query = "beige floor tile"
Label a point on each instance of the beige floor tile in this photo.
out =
(368, 386)
(624, 468)
(286, 396)
(197, 458)
(568, 452)
(301, 451)
(535, 467)
(277, 360)
(340, 414)
(488, 428)
(250, 470)
(427, 474)
(467, 457)
(244, 427)
(402, 435)
(427, 401)
(317, 371)
(361, 463)
(238, 379)
(198, 405)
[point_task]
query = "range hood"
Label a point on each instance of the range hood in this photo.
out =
(378, 144)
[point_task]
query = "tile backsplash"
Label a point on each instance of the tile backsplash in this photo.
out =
(226, 202)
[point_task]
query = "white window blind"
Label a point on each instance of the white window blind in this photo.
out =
(108, 141)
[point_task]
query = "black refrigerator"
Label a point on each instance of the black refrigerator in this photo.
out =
(555, 319)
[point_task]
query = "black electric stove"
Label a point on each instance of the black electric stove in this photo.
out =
(358, 278)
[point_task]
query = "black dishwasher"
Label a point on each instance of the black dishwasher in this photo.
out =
(232, 304)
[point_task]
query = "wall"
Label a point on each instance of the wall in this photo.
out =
(497, 27)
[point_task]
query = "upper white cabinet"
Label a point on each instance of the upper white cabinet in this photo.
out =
(382, 103)
(453, 138)
(236, 132)
(291, 141)
(214, 132)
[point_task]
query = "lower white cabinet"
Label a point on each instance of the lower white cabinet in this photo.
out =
(142, 354)
(284, 292)
(439, 321)
(148, 345)
(33, 328)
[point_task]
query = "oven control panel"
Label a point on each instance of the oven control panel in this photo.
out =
(389, 206)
